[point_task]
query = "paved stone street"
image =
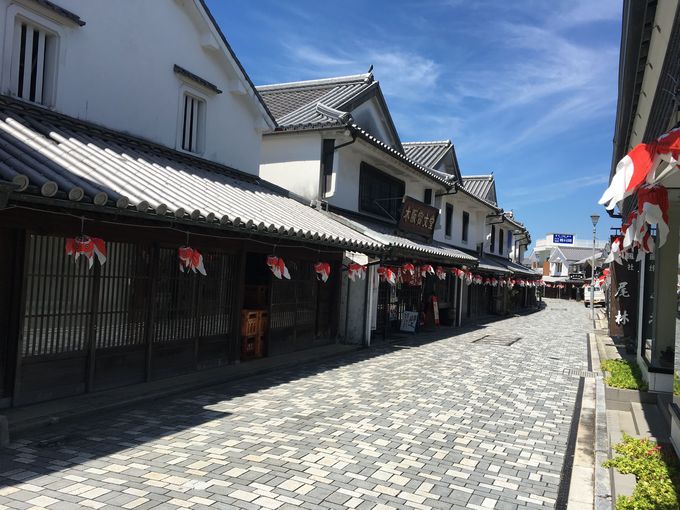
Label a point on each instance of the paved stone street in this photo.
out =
(463, 422)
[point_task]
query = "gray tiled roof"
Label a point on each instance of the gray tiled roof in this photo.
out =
(61, 11)
(480, 186)
(427, 153)
(60, 157)
(441, 177)
(384, 234)
(574, 253)
(294, 104)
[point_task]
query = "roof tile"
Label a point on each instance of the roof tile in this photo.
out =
(63, 157)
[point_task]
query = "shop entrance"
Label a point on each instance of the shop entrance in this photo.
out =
(302, 308)
(255, 312)
(9, 284)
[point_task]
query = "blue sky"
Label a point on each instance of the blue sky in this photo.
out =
(526, 89)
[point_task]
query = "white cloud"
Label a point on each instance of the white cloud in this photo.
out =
(402, 74)
(582, 12)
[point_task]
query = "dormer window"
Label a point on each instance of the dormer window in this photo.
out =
(193, 123)
(34, 63)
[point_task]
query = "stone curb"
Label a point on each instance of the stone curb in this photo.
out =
(603, 488)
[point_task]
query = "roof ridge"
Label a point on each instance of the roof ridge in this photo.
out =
(487, 176)
(317, 82)
(428, 142)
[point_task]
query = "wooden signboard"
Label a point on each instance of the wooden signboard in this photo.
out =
(418, 217)
(623, 294)
(435, 308)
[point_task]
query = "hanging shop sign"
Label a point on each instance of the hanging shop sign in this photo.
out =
(623, 295)
(417, 217)
(563, 238)
(576, 276)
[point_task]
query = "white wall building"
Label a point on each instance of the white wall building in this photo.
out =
(181, 61)
(337, 146)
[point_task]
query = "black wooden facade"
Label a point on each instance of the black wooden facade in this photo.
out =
(66, 330)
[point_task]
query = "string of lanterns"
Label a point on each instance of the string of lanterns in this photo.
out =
(190, 259)
(405, 274)
(641, 172)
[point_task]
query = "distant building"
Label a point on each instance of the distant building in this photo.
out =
(553, 263)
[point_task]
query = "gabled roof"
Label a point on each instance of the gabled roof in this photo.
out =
(482, 186)
(294, 104)
(428, 154)
(569, 254)
(73, 164)
(234, 58)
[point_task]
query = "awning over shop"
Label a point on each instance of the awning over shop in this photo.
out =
(402, 246)
(66, 162)
(558, 279)
(522, 270)
(492, 264)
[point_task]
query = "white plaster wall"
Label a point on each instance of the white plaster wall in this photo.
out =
(353, 305)
(292, 161)
(461, 203)
(369, 116)
(346, 179)
(347, 172)
(117, 71)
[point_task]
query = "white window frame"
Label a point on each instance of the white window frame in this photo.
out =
(200, 123)
(17, 14)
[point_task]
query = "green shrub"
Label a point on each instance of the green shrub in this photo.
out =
(656, 475)
(623, 374)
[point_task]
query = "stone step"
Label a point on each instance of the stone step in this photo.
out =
(618, 423)
(650, 422)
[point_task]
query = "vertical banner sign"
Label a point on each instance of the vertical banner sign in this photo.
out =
(623, 294)
(435, 309)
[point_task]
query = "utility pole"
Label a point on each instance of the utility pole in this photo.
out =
(595, 218)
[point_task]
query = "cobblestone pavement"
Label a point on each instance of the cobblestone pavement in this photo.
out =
(463, 422)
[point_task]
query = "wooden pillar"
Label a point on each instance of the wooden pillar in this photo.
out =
(665, 293)
(234, 349)
(151, 309)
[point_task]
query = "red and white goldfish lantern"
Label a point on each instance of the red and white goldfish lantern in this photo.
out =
(190, 260)
(387, 275)
(355, 271)
(278, 267)
(441, 273)
(88, 247)
(409, 269)
(425, 270)
(322, 270)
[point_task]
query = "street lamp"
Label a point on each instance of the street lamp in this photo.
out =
(595, 218)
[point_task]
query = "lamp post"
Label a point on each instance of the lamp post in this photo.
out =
(595, 218)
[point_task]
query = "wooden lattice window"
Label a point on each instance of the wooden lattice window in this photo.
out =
(58, 302)
(123, 296)
(190, 305)
(34, 62)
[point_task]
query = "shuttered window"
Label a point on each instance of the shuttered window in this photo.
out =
(448, 223)
(466, 226)
(33, 63)
(193, 112)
